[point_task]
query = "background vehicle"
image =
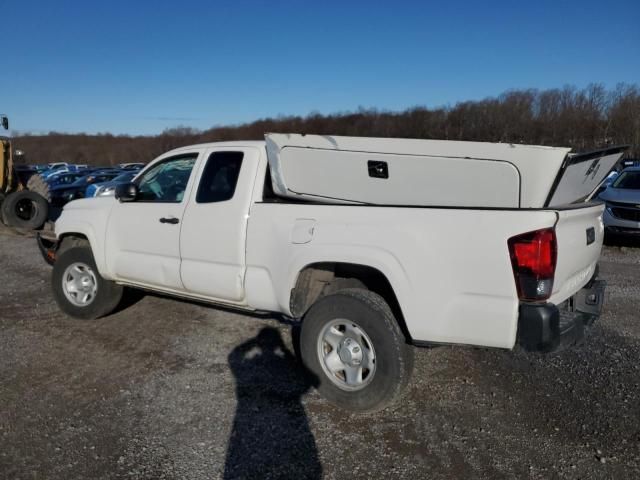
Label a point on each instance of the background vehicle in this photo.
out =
(607, 181)
(366, 279)
(61, 194)
(64, 178)
(131, 166)
(62, 168)
(56, 165)
(622, 198)
(104, 189)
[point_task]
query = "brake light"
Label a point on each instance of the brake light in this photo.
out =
(533, 258)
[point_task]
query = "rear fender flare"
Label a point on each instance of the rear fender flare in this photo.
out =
(382, 260)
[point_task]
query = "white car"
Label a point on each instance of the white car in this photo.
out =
(319, 229)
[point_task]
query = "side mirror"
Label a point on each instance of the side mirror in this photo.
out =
(5, 122)
(127, 192)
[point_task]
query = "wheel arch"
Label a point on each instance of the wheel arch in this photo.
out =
(69, 239)
(321, 278)
(85, 233)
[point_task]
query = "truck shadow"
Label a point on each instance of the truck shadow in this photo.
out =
(130, 297)
(271, 437)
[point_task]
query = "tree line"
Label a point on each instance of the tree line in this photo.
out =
(584, 119)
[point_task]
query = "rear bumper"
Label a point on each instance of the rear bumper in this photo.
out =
(547, 327)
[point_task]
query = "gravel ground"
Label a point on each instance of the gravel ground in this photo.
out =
(168, 389)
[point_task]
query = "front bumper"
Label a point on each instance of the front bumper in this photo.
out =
(548, 328)
(619, 225)
(48, 247)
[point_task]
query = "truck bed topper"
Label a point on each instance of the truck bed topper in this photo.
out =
(394, 171)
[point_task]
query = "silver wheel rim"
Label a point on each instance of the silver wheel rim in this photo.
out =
(346, 354)
(79, 284)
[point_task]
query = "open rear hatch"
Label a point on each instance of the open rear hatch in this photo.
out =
(581, 174)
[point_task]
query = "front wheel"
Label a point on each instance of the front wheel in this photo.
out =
(78, 288)
(351, 341)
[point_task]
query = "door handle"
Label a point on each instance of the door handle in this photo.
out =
(171, 220)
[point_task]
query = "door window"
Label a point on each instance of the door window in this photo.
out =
(166, 181)
(219, 177)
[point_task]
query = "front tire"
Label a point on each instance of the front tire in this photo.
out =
(78, 288)
(351, 342)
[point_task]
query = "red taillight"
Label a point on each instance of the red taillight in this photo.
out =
(533, 257)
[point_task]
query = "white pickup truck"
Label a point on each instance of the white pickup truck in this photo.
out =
(375, 245)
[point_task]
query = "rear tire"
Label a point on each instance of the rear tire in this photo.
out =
(78, 288)
(25, 209)
(352, 343)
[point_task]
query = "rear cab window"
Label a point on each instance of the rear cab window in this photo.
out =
(219, 177)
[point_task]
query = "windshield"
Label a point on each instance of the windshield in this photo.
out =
(628, 181)
(66, 178)
(81, 181)
(93, 178)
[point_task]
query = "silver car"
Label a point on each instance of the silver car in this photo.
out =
(622, 198)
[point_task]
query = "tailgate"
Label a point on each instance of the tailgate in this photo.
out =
(581, 174)
(579, 233)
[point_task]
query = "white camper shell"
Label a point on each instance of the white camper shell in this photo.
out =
(392, 171)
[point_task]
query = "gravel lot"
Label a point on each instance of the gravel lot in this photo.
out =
(168, 389)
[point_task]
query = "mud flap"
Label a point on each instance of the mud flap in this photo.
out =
(48, 248)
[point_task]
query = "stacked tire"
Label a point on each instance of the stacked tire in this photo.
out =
(25, 209)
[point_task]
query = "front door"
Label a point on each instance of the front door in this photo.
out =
(143, 244)
(213, 237)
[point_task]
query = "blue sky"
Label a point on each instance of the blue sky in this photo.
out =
(138, 67)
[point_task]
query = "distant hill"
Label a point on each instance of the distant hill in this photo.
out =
(580, 118)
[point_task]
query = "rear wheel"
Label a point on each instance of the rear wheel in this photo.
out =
(351, 341)
(78, 288)
(25, 210)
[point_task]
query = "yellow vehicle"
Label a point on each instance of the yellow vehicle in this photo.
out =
(19, 207)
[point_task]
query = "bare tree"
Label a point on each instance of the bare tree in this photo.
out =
(583, 119)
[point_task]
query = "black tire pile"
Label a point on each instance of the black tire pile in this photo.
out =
(28, 209)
